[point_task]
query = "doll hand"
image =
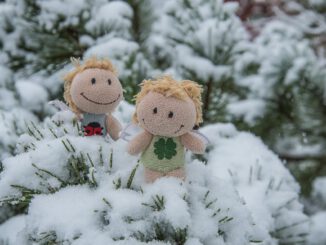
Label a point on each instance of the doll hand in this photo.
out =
(193, 143)
(113, 126)
(139, 143)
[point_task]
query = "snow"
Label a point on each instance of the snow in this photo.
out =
(114, 49)
(52, 10)
(294, 58)
(16, 102)
(318, 235)
(115, 15)
(204, 68)
(292, 146)
(53, 83)
(119, 51)
(318, 194)
(202, 41)
(276, 31)
(32, 95)
(7, 99)
(250, 110)
(72, 215)
(279, 58)
(209, 203)
(6, 76)
(69, 216)
(12, 124)
(238, 193)
(66, 8)
(319, 188)
(309, 20)
(199, 43)
(5, 8)
(317, 2)
(11, 228)
(261, 179)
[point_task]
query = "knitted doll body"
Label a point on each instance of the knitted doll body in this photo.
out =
(164, 154)
(93, 91)
(94, 124)
(167, 110)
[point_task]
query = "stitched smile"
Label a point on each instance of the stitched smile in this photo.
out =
(181, 126)
(99, 103)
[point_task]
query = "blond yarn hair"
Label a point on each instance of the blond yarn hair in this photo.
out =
(169, 87)
(90, 63)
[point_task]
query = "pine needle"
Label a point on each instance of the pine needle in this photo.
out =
(90, 159)
(131, 177)
(107, 202)
(101, 156)
(51, 174)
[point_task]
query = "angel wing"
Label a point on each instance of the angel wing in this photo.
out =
(129, 131)
(203, 137)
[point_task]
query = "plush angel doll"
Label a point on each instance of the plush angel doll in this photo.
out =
(167, 110)
(93, 91)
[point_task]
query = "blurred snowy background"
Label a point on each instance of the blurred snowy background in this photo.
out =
(262, 65)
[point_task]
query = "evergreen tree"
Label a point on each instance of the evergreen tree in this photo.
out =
(17, 113)
(201, 41)
(64, 29)
(37, 39)
(309, 17)
(286, 103)
(317, 210)
(60, 176)
(271, 82)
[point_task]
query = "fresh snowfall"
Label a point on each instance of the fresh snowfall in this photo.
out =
(59, 187)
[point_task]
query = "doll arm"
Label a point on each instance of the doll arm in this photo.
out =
(113, 127)
(139, 143)
(193, 143)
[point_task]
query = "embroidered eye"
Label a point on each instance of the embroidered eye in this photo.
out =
(170, 114)
(109, 81)
(93, 80)
(155, 110)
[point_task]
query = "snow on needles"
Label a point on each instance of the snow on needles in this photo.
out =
(86, 190)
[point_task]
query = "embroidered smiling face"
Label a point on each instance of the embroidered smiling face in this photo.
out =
(96, 91)
(167, 107)
(92, 86)
(166, 116)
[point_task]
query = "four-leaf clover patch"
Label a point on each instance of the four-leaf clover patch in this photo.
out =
(165, 148)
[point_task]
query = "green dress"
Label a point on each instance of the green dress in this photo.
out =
(164, 154)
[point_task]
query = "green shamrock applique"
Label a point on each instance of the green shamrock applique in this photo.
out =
(165, 148)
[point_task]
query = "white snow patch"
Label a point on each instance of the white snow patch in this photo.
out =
(32, 95)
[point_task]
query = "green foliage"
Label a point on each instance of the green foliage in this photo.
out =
(306, 171)
(142, 19)
(208, 51)
(131, 177)
(295, 112)
(49, 238)
(80, 169)
(158, 203)
(119, 184)
(58, 43)
(139, 70)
